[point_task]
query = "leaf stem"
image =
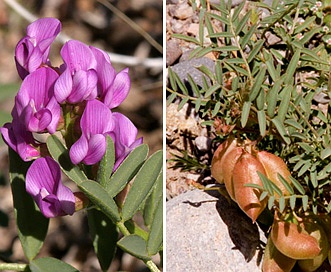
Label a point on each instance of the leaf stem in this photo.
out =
(13, 266)
(152, 266)
(123, 228)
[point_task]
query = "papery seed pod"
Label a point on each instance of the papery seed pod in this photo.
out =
(316, 231)
(218, 158)
(81, 201)
(294, 241)
(274, 260)
(273, 166)
(229, 162)
(246, 171)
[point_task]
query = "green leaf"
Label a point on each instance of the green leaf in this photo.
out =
(142, 185)
(256, 49)
(135, 245)
(292, 201)
(262, 122)
(245, 113)
(285, 183)
(155, 237)
(127, 170)
(244, 40)
(186, 38)
(281, 130)
(107, 163)
(153, 200)
(61, 154)
(291, 68)
(49, 264)
(267, 183)
(285, 102)
(31, 224)
(272, 97)
(281, 204)
(297, 185)
(104, 235)
(99, 196)
(305, 202)
(243, 22)
(269, 61)
(260, 78)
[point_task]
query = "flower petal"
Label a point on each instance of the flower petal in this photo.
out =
(96, 119)
(77, 56)
(43, 173)
(120, 88)
(96, 149)
(78, 150)
(63, 86)
(43, 183)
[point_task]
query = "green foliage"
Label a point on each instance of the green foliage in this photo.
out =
(272, 64)
(107, 214)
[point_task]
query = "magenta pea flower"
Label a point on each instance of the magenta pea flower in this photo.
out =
(124, 136)
(96, 121)
(113, 87)
(43, 183)
(33, 50)
(78, 80)
(20, 140)
(35, 103)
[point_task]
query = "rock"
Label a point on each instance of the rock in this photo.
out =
(207, 233)
(173, 52)
(184, 68)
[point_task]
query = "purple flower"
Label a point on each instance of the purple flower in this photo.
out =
(78, 80)
(113, 88)
(35, 103)
(32, 51)
(20, 140)
(96, 121)
(124, 136)
(43, 183)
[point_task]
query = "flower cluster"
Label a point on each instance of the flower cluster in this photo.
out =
(76, 98)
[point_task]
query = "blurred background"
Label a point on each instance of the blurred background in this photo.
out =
(135, 43)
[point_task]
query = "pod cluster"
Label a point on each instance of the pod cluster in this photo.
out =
(292, 240)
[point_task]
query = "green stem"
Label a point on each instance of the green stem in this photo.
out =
(13, 266)
(152, 266)
(123, 228)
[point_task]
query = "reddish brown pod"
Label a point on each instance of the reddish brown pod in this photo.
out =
(274, 260)
(315, 230)
(275, 166)
(294, 241)
(218, 158)
(246, 171)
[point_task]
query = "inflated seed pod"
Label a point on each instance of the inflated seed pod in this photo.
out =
(294, 241)
(274, 260)
(218, 158)
(246, 171)
(229, 162)
(315, 230)
(273, 166)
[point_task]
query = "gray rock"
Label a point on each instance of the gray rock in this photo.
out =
(173, 52)
(207, 233)
(186, 67)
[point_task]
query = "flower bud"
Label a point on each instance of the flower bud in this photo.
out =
(273, 166)
(274, 260)
(246, 171)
